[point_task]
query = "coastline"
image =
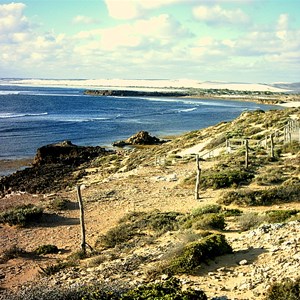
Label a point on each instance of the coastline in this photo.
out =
(9, 166)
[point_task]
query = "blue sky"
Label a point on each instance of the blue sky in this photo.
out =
(223, 40)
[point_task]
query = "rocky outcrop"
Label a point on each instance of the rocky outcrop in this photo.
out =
(55, 167)
(66, 153)
(140, 138)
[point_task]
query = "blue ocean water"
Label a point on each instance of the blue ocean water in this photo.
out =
(31, 117)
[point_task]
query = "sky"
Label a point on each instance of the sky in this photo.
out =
(255, 41)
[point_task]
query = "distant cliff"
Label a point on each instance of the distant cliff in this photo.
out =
(126, 93)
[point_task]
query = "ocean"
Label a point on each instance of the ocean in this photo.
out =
(31, 117)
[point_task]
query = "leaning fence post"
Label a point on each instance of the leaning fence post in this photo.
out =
(83, 242)
(246, 154)
(197, 177)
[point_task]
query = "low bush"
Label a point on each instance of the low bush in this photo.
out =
(55, 268)
(117, 235)
(198, 252)
(271, 177)
(22, 215)
(293, 147)
(277, 195)
(139, 224)
(60, 204)
(285, 290)
(210, 221)
(229, 177)
(46, 249)
(13, 252)
(205, 217)
(279, 216)
(168, 290)
(249, 221)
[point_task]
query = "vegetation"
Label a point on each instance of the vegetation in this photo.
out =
(46, 249)
(285, 290)
(60, 204)
(138, 225)
(198, 252)
(223, 178)
(21, 215)
(168, 290)
(276, 195)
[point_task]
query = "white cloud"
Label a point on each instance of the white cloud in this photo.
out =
(12, 20)
(159, 31)
(84, 20)
(216, 15)
(282, 26)
(132, 9)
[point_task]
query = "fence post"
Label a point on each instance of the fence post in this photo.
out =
(272, 146)
(246, 153)
(197, 177)
(83, 242)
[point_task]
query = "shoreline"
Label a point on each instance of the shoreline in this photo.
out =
(9, 166)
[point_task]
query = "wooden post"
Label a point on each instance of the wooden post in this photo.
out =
(197, 177)
(83, 242)
(246, 153)
(272, 145)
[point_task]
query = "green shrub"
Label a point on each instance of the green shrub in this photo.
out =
(13, 252)
(169, 290)
(195, 253)
(137, 225)
(279, 216)
(210, 221)
(225, 178)
(231, 212)
(117, 235)
(250, 220)
(21, 215)
(280, 194)
(271, 177)
(60, 204)
(46, 249)
(55, 268)
(285, 290)
(293, 147)
(210, 208)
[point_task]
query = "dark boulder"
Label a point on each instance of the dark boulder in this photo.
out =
(140, 138)
(55, 167)
(66, 153)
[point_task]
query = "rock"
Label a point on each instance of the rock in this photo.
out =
(140, 138)
(55, 167)
(243, 262)
(66, 153)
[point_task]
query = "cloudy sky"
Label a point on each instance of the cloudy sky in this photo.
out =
(224, 40)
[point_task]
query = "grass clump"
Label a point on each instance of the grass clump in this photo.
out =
(293, 147)
(230, 177)
(285, 290)
(21, 215)
(169, 289)
(195, 253)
